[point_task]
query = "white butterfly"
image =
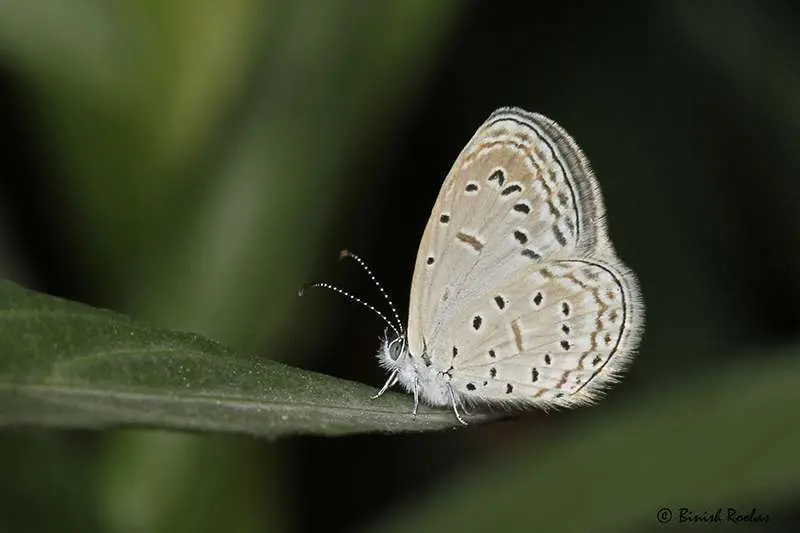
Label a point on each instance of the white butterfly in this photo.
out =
(518, 297)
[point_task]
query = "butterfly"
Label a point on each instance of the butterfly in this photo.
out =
(518, 298)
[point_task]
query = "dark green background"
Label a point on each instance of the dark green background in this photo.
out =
(192, 163)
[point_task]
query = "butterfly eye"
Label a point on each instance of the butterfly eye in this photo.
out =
(396, 348)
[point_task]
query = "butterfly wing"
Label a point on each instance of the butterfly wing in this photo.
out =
(553, 335)
(521, 200)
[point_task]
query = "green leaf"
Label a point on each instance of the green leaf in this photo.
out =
(66, 364)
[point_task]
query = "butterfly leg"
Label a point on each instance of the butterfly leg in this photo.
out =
(388, 385)
(455, 406)
(416, 397)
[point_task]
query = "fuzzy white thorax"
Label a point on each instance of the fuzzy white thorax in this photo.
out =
(416, 377)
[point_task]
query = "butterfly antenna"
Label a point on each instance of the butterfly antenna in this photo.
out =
(346, 253)
(348, 295)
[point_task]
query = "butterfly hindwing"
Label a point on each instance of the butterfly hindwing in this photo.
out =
(551, 336)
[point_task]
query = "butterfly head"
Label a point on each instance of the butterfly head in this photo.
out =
(394, 352)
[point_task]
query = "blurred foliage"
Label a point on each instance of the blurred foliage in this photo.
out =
(566, 483)
(189, 165)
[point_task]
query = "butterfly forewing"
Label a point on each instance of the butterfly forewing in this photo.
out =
(520, 198)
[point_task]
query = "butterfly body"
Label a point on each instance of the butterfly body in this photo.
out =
(518, 296)
(417, 374)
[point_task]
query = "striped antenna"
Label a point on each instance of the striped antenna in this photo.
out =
(356, 299)
(347, 254)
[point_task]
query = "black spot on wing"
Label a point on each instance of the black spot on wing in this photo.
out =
(530, 254)
(498, 176)
(500, 302)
